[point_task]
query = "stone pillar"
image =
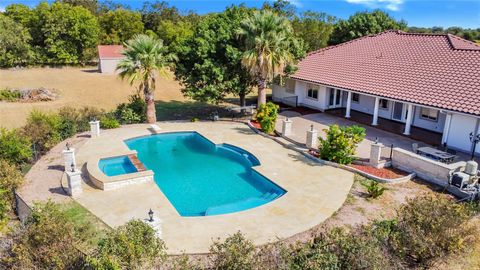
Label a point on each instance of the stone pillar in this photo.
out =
(408, 122)
(286, 127)
(375, 154)
(349, 104)
(312, 138)
(375, 112)
(69, 158)
(94, 128)
(74, 180)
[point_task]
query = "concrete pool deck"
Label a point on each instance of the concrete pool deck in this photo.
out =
(314, 191)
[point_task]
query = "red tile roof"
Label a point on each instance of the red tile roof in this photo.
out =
(110, 51)
(437, 70)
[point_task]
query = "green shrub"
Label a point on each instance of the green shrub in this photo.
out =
(132, 112)
(9, 95)
(43, 129)
(340, 143)
(109, 121)
(14, 146)
(127, 116)
(47, 241)
(69, 121)
(139, 107)
(10, 178)
(374, 189)
(339, 249)
(431, 227)
(131, 246)
(87, 114)
(267, 116)
(235, 253)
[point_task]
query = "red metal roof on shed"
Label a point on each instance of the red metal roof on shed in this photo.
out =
(437, 70)
(110, 51)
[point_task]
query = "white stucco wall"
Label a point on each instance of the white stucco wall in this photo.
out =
(278, 92)
(460, 128)
(437, 125)
(319, 103)
(108, 65)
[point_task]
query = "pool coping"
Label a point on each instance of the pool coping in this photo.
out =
(104, 182)
(313, 191)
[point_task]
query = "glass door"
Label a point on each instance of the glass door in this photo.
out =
(331, 97)
(338, 98)
(398, 109)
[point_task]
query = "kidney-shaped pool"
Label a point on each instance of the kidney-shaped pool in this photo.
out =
(201, 178)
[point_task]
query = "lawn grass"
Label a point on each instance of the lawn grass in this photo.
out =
(90, 228)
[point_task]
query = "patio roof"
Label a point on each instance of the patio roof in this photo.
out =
(437, 70)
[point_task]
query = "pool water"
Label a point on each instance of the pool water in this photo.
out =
(116, 166)
(200, 178)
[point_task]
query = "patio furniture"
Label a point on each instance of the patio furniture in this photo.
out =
(240, 109)
(436, 154)
(415, 147)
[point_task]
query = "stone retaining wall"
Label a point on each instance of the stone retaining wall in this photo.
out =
(425, 168)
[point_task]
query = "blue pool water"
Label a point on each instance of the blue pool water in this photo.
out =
(200, 178)
(116, 166)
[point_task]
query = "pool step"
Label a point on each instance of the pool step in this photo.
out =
(137, 163)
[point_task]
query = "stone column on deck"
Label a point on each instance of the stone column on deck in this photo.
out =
(312, 138)
(286, 127)
(94, 128)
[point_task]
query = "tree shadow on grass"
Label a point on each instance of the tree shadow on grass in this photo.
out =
(186, 110)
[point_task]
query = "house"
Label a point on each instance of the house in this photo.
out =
(428, 82)
(108, 57)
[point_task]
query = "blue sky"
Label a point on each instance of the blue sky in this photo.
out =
(464, 13)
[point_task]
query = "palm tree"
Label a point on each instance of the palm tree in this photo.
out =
(267, 39)
(145, 56)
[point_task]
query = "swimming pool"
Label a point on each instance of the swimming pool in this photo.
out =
(201, 178)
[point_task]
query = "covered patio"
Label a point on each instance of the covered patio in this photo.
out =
(387, 132)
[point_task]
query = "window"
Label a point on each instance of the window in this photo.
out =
(355, 97)
(383, 104)
(312, 91)
(290, 86)
(430, 114)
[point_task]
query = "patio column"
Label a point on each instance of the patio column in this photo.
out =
(408, 123)
(446, 128)
(349, 103)
(375, 112)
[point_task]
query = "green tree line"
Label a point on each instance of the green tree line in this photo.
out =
(66, 32)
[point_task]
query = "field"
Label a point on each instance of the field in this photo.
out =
(77, 87)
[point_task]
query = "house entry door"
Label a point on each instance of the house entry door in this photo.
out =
(398, 109)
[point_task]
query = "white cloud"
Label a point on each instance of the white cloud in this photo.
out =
(296, 3)
(2, 9)
(388, 4)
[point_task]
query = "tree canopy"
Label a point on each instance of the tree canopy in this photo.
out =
(145, 57)
(314, 28)
(14, 43)
(365, 23)
(209, 61)
(120, 25)
(270, 48)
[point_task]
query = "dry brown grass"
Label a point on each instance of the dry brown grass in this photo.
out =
(77, 87)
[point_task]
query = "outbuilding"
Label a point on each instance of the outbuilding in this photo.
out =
(109, 56)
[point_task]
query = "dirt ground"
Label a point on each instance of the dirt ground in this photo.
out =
(77, 87)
